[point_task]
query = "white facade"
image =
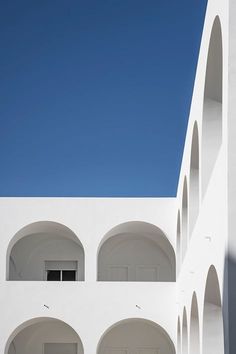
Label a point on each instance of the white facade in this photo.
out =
(146, 275)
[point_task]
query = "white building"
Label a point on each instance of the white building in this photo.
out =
(136, 275)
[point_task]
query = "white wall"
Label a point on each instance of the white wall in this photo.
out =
(92, 307)
(231, 131)
(207, 241)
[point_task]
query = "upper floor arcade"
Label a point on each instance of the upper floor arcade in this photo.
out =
(102, 245)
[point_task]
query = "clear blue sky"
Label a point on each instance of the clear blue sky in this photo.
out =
(95, 95)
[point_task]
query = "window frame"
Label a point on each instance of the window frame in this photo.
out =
(61, 274)
(60, 269)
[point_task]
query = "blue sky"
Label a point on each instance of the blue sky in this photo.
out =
(95, 95)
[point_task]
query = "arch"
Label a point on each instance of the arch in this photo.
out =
(184, 217)
(194, 179)
(178, 336)
(194, 327)
(184, 333)
(212, 106)
(32, 335)
(41, 245)
(213, 332)
(144, 336)
(135, 251)
(178, 243)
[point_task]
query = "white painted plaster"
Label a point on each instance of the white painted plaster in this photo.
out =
(196, 314)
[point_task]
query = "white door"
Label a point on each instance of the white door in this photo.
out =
(119, 273)
(60, 348)
(144, 273)
(147, 351)
(115, 350)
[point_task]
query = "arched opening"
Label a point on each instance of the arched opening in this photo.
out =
(194, 180)
(136, 251)
(178, 243)
(213, 332)
(184, 218)
(212, 108)
(194, 327)
(135, 336)
(44, 335)
(178, 337)
(45, 250)
(184, 333)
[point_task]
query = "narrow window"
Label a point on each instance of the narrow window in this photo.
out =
(53, 275)
(68, 275)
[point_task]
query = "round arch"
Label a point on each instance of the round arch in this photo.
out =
(184, 333)
(136, 251)
(178, 243)
(194, 327)
(194, 179)
(212, 106)
(140, 334)
(213, 331)
(41, 242)
(33, 335)
(184, 217)
(178, 336)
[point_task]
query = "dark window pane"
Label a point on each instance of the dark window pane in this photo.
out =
(53, 275)
(68, 275)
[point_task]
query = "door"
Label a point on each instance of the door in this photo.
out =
(60, 348)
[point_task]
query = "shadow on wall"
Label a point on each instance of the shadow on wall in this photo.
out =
(54, 336)
(229, 304)
(213, 324)
(45, 250)
(136, 336)
(178, 245)
(136, 251)
(184, 333)
(184, 218)
(194, 340)
(194, 180)
(212, 108)
(213, 327)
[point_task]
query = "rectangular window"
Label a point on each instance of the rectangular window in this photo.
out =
(53, 275)
(68, 275)
(61, 270)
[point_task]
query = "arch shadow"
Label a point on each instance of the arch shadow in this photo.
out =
(213, 328)
(136, 251)
(137, 333)
(43, 239)
(212, 106)
(35, 333)
(194, 179)
(194, 327)
(184, 218)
